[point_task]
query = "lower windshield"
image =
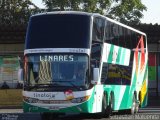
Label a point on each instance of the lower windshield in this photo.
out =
(56, 70)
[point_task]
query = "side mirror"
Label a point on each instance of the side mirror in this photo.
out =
(95, 75)
(20, 74)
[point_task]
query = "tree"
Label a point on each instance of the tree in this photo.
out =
(16, 11)
(62, 4)
(126, 11)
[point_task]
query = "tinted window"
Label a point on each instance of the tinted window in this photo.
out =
(121, 36)
(108, 33)
(96, 54)
(123, 40)
(116, 74)
(58, 31)
(98, 29)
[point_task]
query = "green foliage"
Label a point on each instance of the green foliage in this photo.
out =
(126, 11)
(62, 4)
(16, 11)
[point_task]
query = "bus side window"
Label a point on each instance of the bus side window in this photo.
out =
(104, 72)
(123, 37)
(108, 36)
(115, 33)
(96, 54)
(98, 29)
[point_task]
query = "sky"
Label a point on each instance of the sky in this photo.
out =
(152, 15)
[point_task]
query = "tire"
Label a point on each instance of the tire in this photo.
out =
(48, 116)
(137, 108)
(104, 105)
(45, 116)
(140, 99)
(107, 109)
(133, 108)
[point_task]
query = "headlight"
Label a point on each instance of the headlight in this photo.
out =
(80, 99)
(30, 100)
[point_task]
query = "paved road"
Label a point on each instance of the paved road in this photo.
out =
(152, 112)
(148, 113)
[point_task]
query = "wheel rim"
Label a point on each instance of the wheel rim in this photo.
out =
(133, 106)
(137, 107)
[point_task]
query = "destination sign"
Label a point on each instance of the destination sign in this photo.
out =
(57, 58)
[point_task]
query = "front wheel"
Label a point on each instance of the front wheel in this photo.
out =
(107, 109)
(48, 116)
(45, 116)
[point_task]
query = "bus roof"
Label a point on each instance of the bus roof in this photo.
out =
(91, 14)
(66, 12)
(123, 25)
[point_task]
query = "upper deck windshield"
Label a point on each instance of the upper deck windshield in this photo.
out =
(56, 72)
(58, 31)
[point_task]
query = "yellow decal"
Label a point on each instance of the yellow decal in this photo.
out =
(143, 91)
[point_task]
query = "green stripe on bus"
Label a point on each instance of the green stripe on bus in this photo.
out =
(123, 56)
(110, 56)
(126, 101)
(119, 55)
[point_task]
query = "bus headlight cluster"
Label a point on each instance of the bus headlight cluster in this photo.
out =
(30, 100)
(80, 99)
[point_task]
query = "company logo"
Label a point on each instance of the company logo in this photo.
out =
(44, 95)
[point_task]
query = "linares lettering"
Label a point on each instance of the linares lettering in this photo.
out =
(57, 58)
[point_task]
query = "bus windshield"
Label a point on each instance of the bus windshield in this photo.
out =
(56, 70)
(58, 31)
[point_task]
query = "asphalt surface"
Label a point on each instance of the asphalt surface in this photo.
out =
(151, 112)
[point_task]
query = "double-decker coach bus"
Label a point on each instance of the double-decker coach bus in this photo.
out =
(83, 63)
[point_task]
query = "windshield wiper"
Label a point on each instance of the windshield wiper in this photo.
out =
(41, 86)
(52, 84)
(31, 87)
(71, 83)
